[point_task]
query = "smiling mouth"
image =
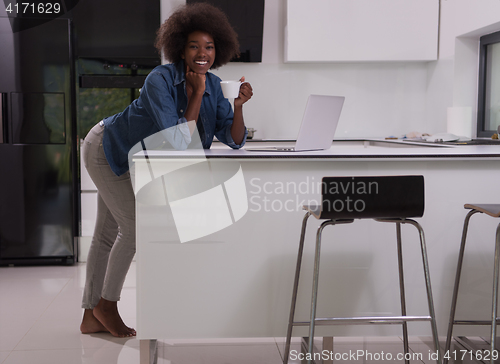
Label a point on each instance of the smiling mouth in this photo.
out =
(201, 63)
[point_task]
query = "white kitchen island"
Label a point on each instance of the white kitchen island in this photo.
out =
(237, 281)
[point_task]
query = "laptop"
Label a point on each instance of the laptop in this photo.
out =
(318, 126)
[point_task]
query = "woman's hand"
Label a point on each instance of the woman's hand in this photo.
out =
(195, 82)
(195, 88)
(246, 93)
(238, 127)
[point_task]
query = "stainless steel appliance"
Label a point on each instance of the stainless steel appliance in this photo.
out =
(114, 47)
(38, 214)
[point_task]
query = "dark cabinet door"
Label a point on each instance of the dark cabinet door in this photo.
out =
(35, 202)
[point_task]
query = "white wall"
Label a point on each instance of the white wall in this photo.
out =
(382, 99)
(452, 80)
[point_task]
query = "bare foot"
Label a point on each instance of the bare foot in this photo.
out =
(90, 324)
(107, 313)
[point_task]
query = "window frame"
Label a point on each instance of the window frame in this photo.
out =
(484, 42)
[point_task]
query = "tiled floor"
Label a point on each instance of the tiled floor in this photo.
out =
(40, 316)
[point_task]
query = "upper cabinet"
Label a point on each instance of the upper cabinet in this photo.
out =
(361, 30)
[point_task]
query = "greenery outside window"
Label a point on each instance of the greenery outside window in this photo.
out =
(488, 116)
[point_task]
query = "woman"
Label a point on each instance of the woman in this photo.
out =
(196, 38)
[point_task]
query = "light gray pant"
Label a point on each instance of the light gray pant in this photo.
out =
(113, 244)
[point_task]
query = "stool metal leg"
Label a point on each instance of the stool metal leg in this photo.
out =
(430, 300)
(314, 297)
(402, 290)
(295, 288)
(495, 294)
(457, 284)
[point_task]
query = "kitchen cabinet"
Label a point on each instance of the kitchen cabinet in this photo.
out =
(361, 30)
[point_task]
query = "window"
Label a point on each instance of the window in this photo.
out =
(488, 116)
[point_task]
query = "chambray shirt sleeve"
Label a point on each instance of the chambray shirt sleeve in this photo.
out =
(157, 97)
(225, 121)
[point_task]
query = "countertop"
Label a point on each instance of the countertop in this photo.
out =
(343, 149)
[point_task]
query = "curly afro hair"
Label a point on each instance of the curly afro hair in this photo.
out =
(173, 33)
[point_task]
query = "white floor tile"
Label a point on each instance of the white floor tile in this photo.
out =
(118, 355)
(369, 350)
(65, 334)
(28, 296)
(40, 317)
(68, 302)
(227, 341)
(217, 354)
(64, 307)
(425, 347)
(12, 332)
(14, 273)
(3, 356)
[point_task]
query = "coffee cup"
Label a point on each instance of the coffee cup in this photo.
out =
(230, 89)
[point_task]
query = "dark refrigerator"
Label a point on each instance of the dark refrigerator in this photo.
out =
(38, 214)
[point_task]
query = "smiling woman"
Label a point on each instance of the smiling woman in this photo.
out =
(199, 53)
(196, 38)
(173, 34)
(198, 57)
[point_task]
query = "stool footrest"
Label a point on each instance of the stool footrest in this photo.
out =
(474, 322)
(381, 320)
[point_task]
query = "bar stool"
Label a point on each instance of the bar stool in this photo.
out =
(383, 198)
(494, 211)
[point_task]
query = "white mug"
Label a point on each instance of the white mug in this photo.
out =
(230, 89)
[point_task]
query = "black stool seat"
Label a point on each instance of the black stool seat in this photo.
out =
(392, 199)
(492, 210)
(370, 197)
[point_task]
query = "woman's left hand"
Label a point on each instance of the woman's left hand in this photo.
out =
(246, 93)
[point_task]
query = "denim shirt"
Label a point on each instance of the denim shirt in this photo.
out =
(161, 107)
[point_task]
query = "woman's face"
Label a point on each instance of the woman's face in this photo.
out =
(199, 53)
